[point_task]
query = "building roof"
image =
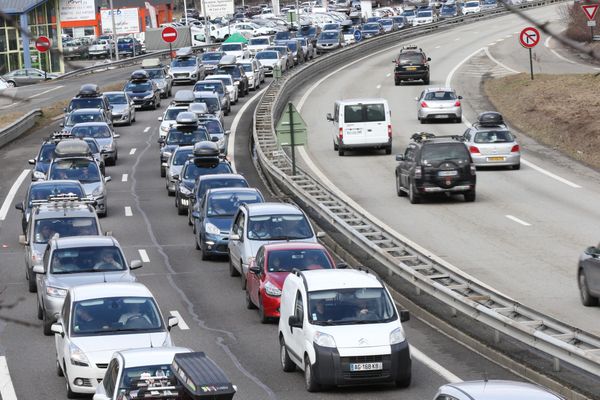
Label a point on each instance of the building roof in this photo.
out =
(20, 6)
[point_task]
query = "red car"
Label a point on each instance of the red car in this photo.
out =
(272, 265)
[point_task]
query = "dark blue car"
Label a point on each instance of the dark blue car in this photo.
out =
(189, 173)
(371, 29)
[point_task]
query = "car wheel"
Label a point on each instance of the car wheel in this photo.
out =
(404, 382)
(163, 172)
(517, 166)
(470, 196)
(335, 146)
(399, 191)
(47, 323)
(388, 149)
(204, 256)
(232, 270)
(129, 121)
(340, 151)
(249, 304)
(287, 365)
(189, 214)
(31, 282)
(170, 193)
(40, 312)
(261, 312)
(458, 120)
(180, 209)
(397, 83)
(70, 394)
(586, 298)
(59, 370)
(11, 84)
(309, 377)
(413, 197)
(426, 80)
(196, 242)
(243, 279)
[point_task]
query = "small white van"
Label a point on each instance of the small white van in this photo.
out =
(341, 327)
(361, 123)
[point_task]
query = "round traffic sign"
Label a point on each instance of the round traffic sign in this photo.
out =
(357, 35)
(169, 34)
(42, 44)
(529, 37)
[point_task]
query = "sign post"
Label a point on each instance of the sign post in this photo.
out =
(42, 44)
(590, 11)
(169, 35)
(529, 38)
(291, 131)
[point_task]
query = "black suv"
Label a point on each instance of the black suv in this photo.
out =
(237, 73)
(89, 96)
(411, 64)
(435, 164)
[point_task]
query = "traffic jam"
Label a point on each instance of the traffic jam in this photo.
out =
(336, 325)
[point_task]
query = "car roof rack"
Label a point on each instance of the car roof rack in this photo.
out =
(72, 148)
(140, 75)
(410, 47)
(420, 137)
(89, 90)
(152, 63)
(184, 52)
(63, 201)
(57, 136)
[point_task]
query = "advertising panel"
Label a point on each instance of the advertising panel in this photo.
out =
(77, 10)
(218, 8)
(126, 21)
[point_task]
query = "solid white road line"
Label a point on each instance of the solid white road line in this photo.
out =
(132, 151)
(11, 194)
(124, 178)
(144, 255)
(146, 129)
(517, 220)
(7, 391)
(234, 125)
(547, 44)
(550, 174)
(128, 212)
(457, 66)
(45, 91)
(182, 325)
(487, 53)
(434, 366)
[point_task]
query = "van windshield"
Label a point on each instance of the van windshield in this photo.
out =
(364, 113)
(350, 306)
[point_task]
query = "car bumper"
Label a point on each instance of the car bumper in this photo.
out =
(144, 103)
(120, 118)
(270, 305)
(458, 187)
(215, 245)
(184, 78)
(440, 113)
(89, 376)
(53, 306)
(327, 47)
(496, 159)
(332, 369)
(410, 76)
(365, 144)
(100, 204)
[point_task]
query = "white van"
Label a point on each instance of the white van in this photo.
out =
(341, 327)
(361, 123)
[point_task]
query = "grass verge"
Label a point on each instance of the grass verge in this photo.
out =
(560, 111)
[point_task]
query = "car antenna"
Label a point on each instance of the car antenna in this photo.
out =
(151, 344)
(485, 376)
(104, 276)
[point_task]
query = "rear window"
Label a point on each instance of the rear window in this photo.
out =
(441, 95)
(444, 151)
(364, 113)
(493, 137)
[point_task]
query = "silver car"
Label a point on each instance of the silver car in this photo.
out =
(123, 109)
(84, 115)
(493, 146)
(77, 261)
(105, 137)
(588, 276)
(439, 104)
(174, 165)
(494, 390)
(187, 69)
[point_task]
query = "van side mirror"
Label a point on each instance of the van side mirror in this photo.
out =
(255, 270)
(38, 269)
(329, 117)
(399, 157)
(58, 329)
(234, 236)
(22, 240)
(19, 206)
(135, 264)
(404, 315)
(294, 322)
(173, 321)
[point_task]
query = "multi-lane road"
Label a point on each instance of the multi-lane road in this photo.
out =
(210, 303)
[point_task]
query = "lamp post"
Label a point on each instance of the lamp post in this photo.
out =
(114, 29)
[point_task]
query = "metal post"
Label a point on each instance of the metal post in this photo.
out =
(592, 31)
(206, 26)
(291, 112)
(171, 50)
(531, 63)
(185, 12)
(114, 29)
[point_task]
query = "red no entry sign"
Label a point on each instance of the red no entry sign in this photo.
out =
(169, 34)
(42, 44)
(529, 37)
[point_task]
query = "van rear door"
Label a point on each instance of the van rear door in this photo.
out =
(366, 123)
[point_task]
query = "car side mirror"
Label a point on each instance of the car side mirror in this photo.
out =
(160, 118)
(234, 237)
(227, 132)
(135, 264)
(58, 329)
(214, 139)
(171, 322)
(176, 177)
(161, 140)
(341, 265)
(294, 322)
(404, 315)
(22, 240)
(116, 135)
(111, 106)
(255, 270)
(107, 178)
(61, 125)
(399, 157)
(108, 233)
(39, 269)
(320, 234)
(428, 58)
(164, 165)
(591, 251)
(31, 161)
(329, 117)
(19, 206)
(65, 109)
(460, 97)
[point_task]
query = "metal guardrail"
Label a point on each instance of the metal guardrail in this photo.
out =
(403, 258)
(19, 127)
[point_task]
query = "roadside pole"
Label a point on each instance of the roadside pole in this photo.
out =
(291, 113)
(114, 29)
(531, 63)
(529, 38)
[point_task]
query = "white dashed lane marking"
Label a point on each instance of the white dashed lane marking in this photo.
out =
(517, 220)
(146, 129)
(124, 178)
(132, 151)
(144, 255)
(128, 212)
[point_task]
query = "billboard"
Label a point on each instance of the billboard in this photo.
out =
(77, 10)
(218, 8)
(126, 21)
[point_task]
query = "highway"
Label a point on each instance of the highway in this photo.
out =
(212, 305)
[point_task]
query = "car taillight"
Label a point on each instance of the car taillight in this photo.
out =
(457, 104)
(515, 149)
(424, 105)
(390, 132)
(474, 150)
(418, 172)
(341, 134)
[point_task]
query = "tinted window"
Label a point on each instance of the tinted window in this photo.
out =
(287, 260)
(181, 157)
(493, 137)
(87, 259)
(156, 73)
(81, 117)
(138, 87)
(183, 62)
(371, 27)
(212, 103)
(225, 79)
(350, 306)
(44, 229)
(259, 42)
(411, 58)
(172, 113)
(226, 204)
(424, 14)
(212, 56)
(230, 70)
(231, 47)
(279, 227)
(444, 151)
(213, 126)
(440, 96)
(193, 171)
(364, 113)
(42, 192)
(328, 35)
(179, 137)
(47, 152)
(79, 170)
(85, 102)
(265, 55)
(208, 87)
(220, 183)
(247, 67)
(116, 98)
(96, 131)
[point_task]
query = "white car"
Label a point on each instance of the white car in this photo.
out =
(3, 84)
(254, 71)
(232, 88)
(341, 327)
(99, 319)
(271, 59)
(259, 43)
(239, 50)
(128, 365)
(471, 7)
(425, 17)
(169, 118)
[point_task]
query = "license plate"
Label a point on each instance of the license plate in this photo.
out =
(353, 131)
(411, 68)
(496, 158)
(366, 366)
(447, 173)
(440, 115)
(138, 106)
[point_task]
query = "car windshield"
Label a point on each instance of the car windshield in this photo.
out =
(193, 171)
(138, 87)
(213, 126)
(93, 145)
(232, 47)
(208, 87)
(227, 81)
(130, 378)
(172, 113)
(287, 260)
(84, 171)
(364, 113)
(444, 151)
(115, 316)
(47, 152)
(440, 96)
(212, 103)
(328, 27)
(87, 259)
(117, 98)
(183, 62)
(408, 13)
(78, 118)
(448, 9)
(411, 58)
(350, 306)
(221, 183)
(212, 56)
(279, 227)
(181, 156)
(472, 4)
(42, 192)
(186, 137)
(125, 40)
(328, 35)
(94, 131)
(85, 102)
(493, 137)
(226, 204)
(293, 46)
(370, 27)
(424, 14)
(247, 67)
(267, 55)
(283, 36)
(234, 71)
(45, 229)
(156, 73)
(261, 41)
(386, 22)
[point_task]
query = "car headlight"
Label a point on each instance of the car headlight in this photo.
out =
(184, 191)
(78, 357)
(149, 96)
(274, 291)
(397, 336)
(97, 192)
(55, 291)
(212, 229)
(39, 175)
(324, 340)
(107, 147)
(164, 128)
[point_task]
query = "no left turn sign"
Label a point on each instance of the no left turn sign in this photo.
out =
(529, 37)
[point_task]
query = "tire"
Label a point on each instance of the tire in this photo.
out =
(198, 247)
(180, 209)
(470, 196)
(70, 394)
(189, 214)
(413, 197)
(129, 120)
(423, 120)
(170, 193)
(47, 324)
(203, 255)
(163, 172)
(458, 120)
(399, 191)
(515, 167)
(335, 146)
(261, 312)
(11, 84)
(340, 151)
(404, 382)
(232, 270)
(287, 365)
(243, 280)
(31, 285)
(586, 298)
(388, 150)
(59, 370)
(249, 304)
(426, 80)
(40, 312)
(309, 379)
(397, 83)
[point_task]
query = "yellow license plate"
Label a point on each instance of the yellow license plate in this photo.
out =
(496, 158)
(411, 68)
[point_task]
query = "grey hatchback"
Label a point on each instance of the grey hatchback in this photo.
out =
(494, 390)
